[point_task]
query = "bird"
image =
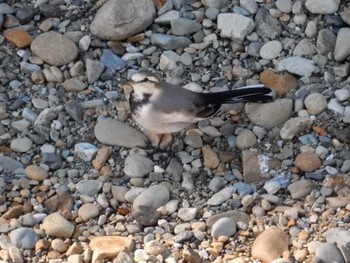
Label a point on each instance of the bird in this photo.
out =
(164, 108)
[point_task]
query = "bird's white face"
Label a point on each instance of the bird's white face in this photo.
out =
(144, 84)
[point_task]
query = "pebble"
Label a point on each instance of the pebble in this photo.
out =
(300, 189)
(315, 103)
(74, 85)
(23, 238)
(148, 198)
(111, 60)
(85, 151)
(281, 83)
(169, 42)
(249, 5)
(54, 48)
(36, 173)
(223, 227)
(325, 41)
(221, 196)
(297, 65)
(270, 245)
(146, 215)
(210, 158)
(88, 211)
(89, 187)
(328, 252)
(271, 50)
(19, 38)
(125, 137)
(294, 126)
(187, 214)
(341, 49)
(335, 106)
(216, 183)
(342, 94)
(266, 25)
(108, 247)
(182, 26)
(226, 24)
(57, 226)
(285, 6)
(278, 111)
(118, 22)
(137, 166)
(94, 69)
(21, 145)
(245, 139)
(324, 7)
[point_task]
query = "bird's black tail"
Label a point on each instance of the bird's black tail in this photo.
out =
(255, 93)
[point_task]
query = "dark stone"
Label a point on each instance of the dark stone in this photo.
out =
(25, 15)
(146, 215)
(74, 109)
(267, 25)
(53, 160)
(48, 10)
(343, 134)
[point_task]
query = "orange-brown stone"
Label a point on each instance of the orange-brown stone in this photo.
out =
(281, 83)
(19, 38)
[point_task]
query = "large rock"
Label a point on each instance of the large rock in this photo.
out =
(342, 44)
(54, 48)
(113, 132)
(120, 19)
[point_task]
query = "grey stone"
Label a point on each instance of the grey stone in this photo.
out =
(304, 48)
(214, 3)
(325, 41)
(174, 169)
(182, 26)
(300, 189)
(114, 132)
(74, 85)
(146, 215)
(342, 44)
(89, 187)
(315, 103)
(149, 198)
(24, 238)
(165, 18)
(94, 69)
(297, 65)
(85, 151)
(137, 166)
(250, 5)
(245, 139)
(74, 110)
(223, 227)
(271, 50)
(187, 214)
(294, 126)
(269, 115)
(221, 196)
(169, 42)
(111, 60)
(285, 6)
(234, 26)
(328, 252)
(322, 6)
(266, 25)
(120, 19)
(216, 183)
(54, 48)
(21, 145)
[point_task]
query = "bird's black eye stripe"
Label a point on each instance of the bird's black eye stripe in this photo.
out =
(146, 97)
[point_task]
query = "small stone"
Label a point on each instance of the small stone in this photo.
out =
(266, 25)
(105, 132)
(169, 42)
(24, 238)
(325, 41)
(182, 26)
(270, 245)
(329, 252)
(210, 158)
(322, 7)
(221, 196)
(59, 245)
(111, 60)
(36, 173)
(300, 189)
(315, 103)
(21, 145)
(335, 106)
(94, 69)
(187, 214)
(56, 225)
(74, 85)
(285, 6)
(108, 247)
(148, 198)
(271, 50)
(89, 187)
(101, 157)
(223, 227)
(54, 48)
(281, 83)
(85, 151)
(146, 215)
(304, 48)
(342, 47)
(137, 166)
(294, 126)
(216, 183)
(88, 211)
(297, 65)
(308, 161)
(227, 25)
(246, 139)
(19, 38)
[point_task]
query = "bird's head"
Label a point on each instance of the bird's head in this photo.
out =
(144, 83)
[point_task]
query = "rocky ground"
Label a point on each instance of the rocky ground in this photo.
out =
(79, 180)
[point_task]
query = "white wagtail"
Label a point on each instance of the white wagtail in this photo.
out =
(163, 108)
